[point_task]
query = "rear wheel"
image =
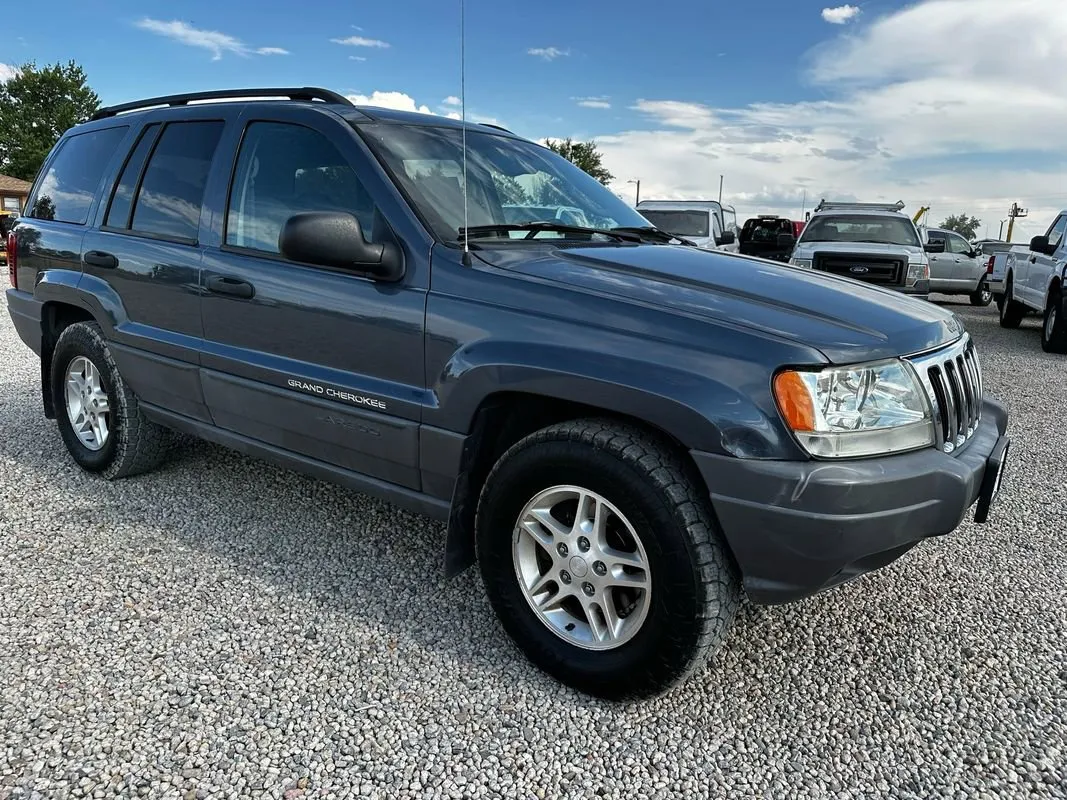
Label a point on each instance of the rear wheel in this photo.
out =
(1011, 310)
(98, 416)
(982, 296)
(1054, 325)
(602, 559)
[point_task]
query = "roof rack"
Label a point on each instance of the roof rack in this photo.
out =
(302, 93)
(825, 205)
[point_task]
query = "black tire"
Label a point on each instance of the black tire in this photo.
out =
(1011, 310)
(1053, 325)
(668, 508)
(134, 444)
(981, 296)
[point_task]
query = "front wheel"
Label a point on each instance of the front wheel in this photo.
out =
(1054, 326)
(982, 296)
(602, 559)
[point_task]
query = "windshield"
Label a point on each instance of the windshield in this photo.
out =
(509, 181)
(680, 223)
(861, 228)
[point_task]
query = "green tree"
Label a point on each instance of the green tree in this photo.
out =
(36, 107)
(582, 154)
(965, 226)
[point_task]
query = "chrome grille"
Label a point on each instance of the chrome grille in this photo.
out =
(952, 378)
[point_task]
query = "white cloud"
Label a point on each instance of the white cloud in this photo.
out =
(214, 41)
(547, 53)
(357, 58)
(7, 72)
(360, 41)
(592, 102)
(840, 15)
(452, 100)
(394, 100)
(972, 127)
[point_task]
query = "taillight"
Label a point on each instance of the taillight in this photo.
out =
(12, 260)
(989, 265)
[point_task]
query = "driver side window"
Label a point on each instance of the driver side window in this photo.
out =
(958, 245)
(1055, 234)
(285, 169)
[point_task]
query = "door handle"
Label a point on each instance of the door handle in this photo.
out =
(235, 287)
(98, 258)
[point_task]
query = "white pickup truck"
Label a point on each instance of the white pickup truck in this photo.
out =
(1034, 279)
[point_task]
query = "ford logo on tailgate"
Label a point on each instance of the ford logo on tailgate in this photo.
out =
(858, 270)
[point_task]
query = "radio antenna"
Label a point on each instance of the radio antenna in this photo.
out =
(463, 114)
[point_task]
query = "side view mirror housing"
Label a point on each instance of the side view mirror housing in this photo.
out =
(727, 238)
(1040, 244)
(935, 246)
(786, 240)
(335, 239)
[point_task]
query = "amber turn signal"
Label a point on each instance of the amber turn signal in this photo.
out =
(794, 401)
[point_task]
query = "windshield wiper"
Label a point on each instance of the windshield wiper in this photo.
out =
(534, 228)
(652, 233)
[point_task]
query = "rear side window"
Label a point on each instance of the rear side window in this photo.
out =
(118, 215)
(172, 190)
(66, 191)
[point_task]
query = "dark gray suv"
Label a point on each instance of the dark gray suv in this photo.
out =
(622, 430)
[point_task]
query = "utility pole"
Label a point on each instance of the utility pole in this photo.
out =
(720, 190)
(637, 198)
(1013, 213)
(804, 204)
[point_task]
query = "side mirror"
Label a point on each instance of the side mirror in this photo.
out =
(786, 240)
(1039, 244)
(335, 239)
(727, 238)
(935, 246)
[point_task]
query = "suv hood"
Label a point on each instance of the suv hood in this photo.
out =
(915, 253)
(846, 320)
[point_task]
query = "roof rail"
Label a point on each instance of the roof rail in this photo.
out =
(302, 93)
(493, 125)
(825, 205)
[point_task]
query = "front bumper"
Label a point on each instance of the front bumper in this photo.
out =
(797, 528)
(25, 311)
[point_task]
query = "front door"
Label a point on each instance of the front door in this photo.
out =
(964, 265)
(326, 363)
(942, 265)
(1041, 266)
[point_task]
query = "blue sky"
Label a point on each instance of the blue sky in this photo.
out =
(955, 103)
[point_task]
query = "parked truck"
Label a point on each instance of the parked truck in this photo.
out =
(1033, 279)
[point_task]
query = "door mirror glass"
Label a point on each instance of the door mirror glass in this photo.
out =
(335, 239)
(726, 238)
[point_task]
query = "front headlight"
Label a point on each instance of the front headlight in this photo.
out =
(803, 263)
(918, 272)
(863, 410)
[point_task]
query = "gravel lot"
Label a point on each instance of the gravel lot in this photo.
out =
(223, 628)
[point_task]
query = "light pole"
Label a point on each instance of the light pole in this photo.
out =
(637, 198)
(1001, 234)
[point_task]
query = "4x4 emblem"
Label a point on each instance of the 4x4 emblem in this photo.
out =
(858, 270)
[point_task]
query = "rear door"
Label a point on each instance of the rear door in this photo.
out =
(942, 265)
(146, 255)
(327, 363)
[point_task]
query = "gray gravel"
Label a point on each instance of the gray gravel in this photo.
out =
(223, 628)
